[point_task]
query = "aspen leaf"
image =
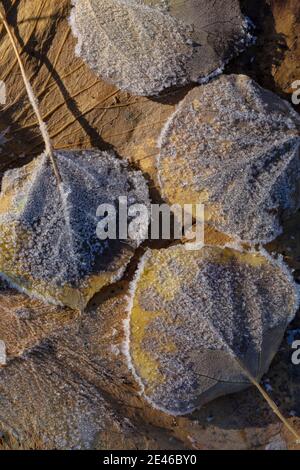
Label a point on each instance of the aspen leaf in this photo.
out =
(147, 46)
(200, 319)
(234, 147)
(49, 245)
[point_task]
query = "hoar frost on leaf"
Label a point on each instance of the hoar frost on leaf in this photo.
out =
(199, 319)
(49, 245)
(234, 147)
(145, 46)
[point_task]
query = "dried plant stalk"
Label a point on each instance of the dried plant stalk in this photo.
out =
(33, 101)
(271, 404)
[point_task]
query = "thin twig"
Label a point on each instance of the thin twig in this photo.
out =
(33, 101)
(270, 402)
(29, 36)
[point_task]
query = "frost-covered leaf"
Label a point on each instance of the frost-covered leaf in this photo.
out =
(234, 147)
(49, 245)
(199, 319)
(146, 46)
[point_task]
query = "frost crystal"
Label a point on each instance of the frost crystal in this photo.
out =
(199, 319)
(146, 46)
(49, 245)
(234, 147)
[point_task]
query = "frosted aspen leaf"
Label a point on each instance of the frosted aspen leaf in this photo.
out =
(199, 320)
(234, 147)
(48, 233)
(147, 46)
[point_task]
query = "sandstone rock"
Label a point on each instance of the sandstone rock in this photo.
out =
(199, 319)
(234, 147)
(48, 239)
(145, 47)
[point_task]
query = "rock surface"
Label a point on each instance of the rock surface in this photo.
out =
(145, 47)
(49, 243)
(234, 147)
(199, 319)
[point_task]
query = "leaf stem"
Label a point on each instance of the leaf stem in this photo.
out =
(271, 403)
(34, 102)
